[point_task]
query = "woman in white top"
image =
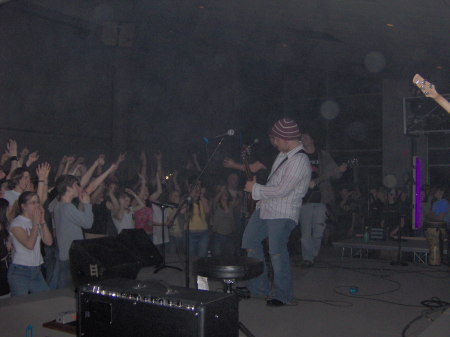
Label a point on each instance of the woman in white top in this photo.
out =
(121, 210)
(27, 230)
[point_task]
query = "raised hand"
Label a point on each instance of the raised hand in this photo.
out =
(84, 197)
(101, 160)
(121, 158)
(70, 160)
(129, 191)
(229, 163)
(80, 160)
(43, 171)
(11, 148)
(34, 156)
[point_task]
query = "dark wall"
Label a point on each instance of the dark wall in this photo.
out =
(162, 77)
(55, 90)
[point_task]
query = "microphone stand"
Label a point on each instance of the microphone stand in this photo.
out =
(163, 228)
(399, 261)
(189, 200)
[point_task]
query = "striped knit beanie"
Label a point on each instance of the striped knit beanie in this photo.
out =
(286, 129)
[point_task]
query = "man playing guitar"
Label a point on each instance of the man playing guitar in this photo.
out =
(277, 212)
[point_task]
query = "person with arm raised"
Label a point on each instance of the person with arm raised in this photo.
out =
(69, 222)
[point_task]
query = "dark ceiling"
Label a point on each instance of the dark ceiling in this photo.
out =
(395, 38)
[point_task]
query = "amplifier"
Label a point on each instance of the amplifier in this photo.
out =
(124, 307)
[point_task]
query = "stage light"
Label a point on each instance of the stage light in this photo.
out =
(418, 209)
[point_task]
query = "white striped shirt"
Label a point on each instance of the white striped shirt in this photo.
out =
(281, 197)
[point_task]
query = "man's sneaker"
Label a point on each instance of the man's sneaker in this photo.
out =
(277, 303)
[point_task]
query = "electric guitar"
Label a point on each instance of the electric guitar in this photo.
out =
(313, 194)
(429, 90)
(249, 203)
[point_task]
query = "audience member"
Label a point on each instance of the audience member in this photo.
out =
(5, 248)
(223, 223)
(27, 230)
(197, 214)
(69, 222)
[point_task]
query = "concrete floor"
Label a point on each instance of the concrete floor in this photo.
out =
(388, 298)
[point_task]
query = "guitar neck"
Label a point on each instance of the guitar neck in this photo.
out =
(350, 164)
(248, 172)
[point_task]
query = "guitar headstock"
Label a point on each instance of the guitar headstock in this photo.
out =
(427, 88)
(247, 149)
(353, 162)
(245, 152)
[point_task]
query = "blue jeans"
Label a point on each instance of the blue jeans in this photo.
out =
(64, 276)
(312, 222)
(26, 279)
(198, 243)
(51, 266)
(277, 231)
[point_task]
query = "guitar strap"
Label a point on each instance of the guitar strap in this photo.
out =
(284, 160)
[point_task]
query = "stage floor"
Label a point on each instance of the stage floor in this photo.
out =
(357, 247)
(388, 298)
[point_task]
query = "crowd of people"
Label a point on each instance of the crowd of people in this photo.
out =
(43, 210)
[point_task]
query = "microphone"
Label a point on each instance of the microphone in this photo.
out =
(229, 132)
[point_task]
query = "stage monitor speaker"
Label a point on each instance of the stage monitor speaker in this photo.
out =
(117, 308)
(140, 245)
(92, 260)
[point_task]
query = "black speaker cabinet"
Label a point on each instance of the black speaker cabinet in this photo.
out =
(120, 307)
(141, 245)
(98, 259)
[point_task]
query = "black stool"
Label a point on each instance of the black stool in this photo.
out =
(230, 269)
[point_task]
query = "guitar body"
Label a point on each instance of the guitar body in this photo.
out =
(313, 194)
